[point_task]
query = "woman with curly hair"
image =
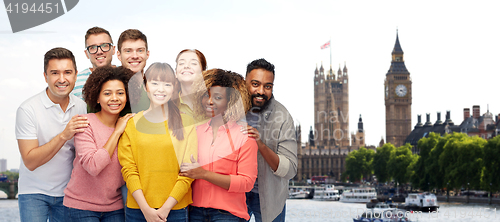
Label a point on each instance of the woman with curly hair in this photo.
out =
(155, 143)
(93, 192)
(190, 63)
(228, 158)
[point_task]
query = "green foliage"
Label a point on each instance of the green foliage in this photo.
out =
(462, 161)
(398, 163)
(358, 164)
(419, 176)
(432, 168)
(450, 161)
(491, 165)
(380, 159)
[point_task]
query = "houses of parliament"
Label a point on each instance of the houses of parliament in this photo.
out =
(329, 141)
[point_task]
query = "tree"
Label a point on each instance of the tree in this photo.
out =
(462, 160)
(358, 164)
(432, 167)
(380, 159)
(398, 164)
(491, 165)
(419, 176)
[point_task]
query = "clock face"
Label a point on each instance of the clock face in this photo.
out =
(401, 90)
(345, 80)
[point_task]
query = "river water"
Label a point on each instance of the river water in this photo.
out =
(312, 210)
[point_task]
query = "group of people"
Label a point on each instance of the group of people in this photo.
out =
(123, 144)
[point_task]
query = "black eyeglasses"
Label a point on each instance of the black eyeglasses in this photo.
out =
(94, 48)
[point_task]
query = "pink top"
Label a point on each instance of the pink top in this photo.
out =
(96, 179)
(232, 153)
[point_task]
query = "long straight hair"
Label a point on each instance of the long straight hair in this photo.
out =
(163, 72)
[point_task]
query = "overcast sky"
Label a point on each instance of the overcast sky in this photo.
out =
(451, 50)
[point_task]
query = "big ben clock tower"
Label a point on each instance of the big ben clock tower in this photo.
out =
(397, 94)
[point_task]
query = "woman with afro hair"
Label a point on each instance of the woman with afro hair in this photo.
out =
(93, 191)
(227, 156)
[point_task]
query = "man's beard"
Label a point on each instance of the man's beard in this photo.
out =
(263, 106)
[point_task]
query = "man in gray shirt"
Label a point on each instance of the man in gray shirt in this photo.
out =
(272, 127)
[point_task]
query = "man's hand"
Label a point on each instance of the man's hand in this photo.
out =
(35, 155)
(77, 124)
(270, 156)
(252, 132)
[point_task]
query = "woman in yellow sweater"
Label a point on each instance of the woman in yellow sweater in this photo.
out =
(155, 142)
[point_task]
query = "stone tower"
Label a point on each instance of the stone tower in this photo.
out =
(331, 108)
(398, 98)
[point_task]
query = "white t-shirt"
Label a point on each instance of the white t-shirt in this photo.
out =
(39, 118)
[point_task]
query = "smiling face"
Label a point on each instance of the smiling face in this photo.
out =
(188, 68)
(260, 84)
(60, 77)
(100, 58)
(133, 55)
(159, 92)
(112, 97)
(215, 101)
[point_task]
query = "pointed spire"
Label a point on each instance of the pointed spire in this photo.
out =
(345, 68)
(321, 70)
(311, 137)
(397, 46)
(316, 71)
(360, 124)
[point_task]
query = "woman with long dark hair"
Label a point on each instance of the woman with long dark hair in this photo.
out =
(154, 144)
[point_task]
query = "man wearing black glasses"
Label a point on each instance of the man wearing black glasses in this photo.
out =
(100, 50)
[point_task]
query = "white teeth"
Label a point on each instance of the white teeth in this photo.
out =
(61, 86)
(114, 105)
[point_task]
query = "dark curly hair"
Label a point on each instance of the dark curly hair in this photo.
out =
(92, 88)
(237, 94)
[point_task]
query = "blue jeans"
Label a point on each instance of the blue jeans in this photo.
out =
(253, 205)
(40, 207)
(77, 215)
(211, 215)
(135, 215)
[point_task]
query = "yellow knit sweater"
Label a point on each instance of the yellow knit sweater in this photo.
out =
(151, 156)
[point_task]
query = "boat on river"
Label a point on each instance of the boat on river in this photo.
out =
(358, 195)
(425, 202)
(327, 192)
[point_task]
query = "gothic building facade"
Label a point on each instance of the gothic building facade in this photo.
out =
(330, 140)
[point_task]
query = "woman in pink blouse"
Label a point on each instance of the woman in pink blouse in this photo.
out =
(93, 192)
(228, 158)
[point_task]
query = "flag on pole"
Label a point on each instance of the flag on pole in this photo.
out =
(326, 45)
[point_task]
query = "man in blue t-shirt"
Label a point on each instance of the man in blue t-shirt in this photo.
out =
(99, 49)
